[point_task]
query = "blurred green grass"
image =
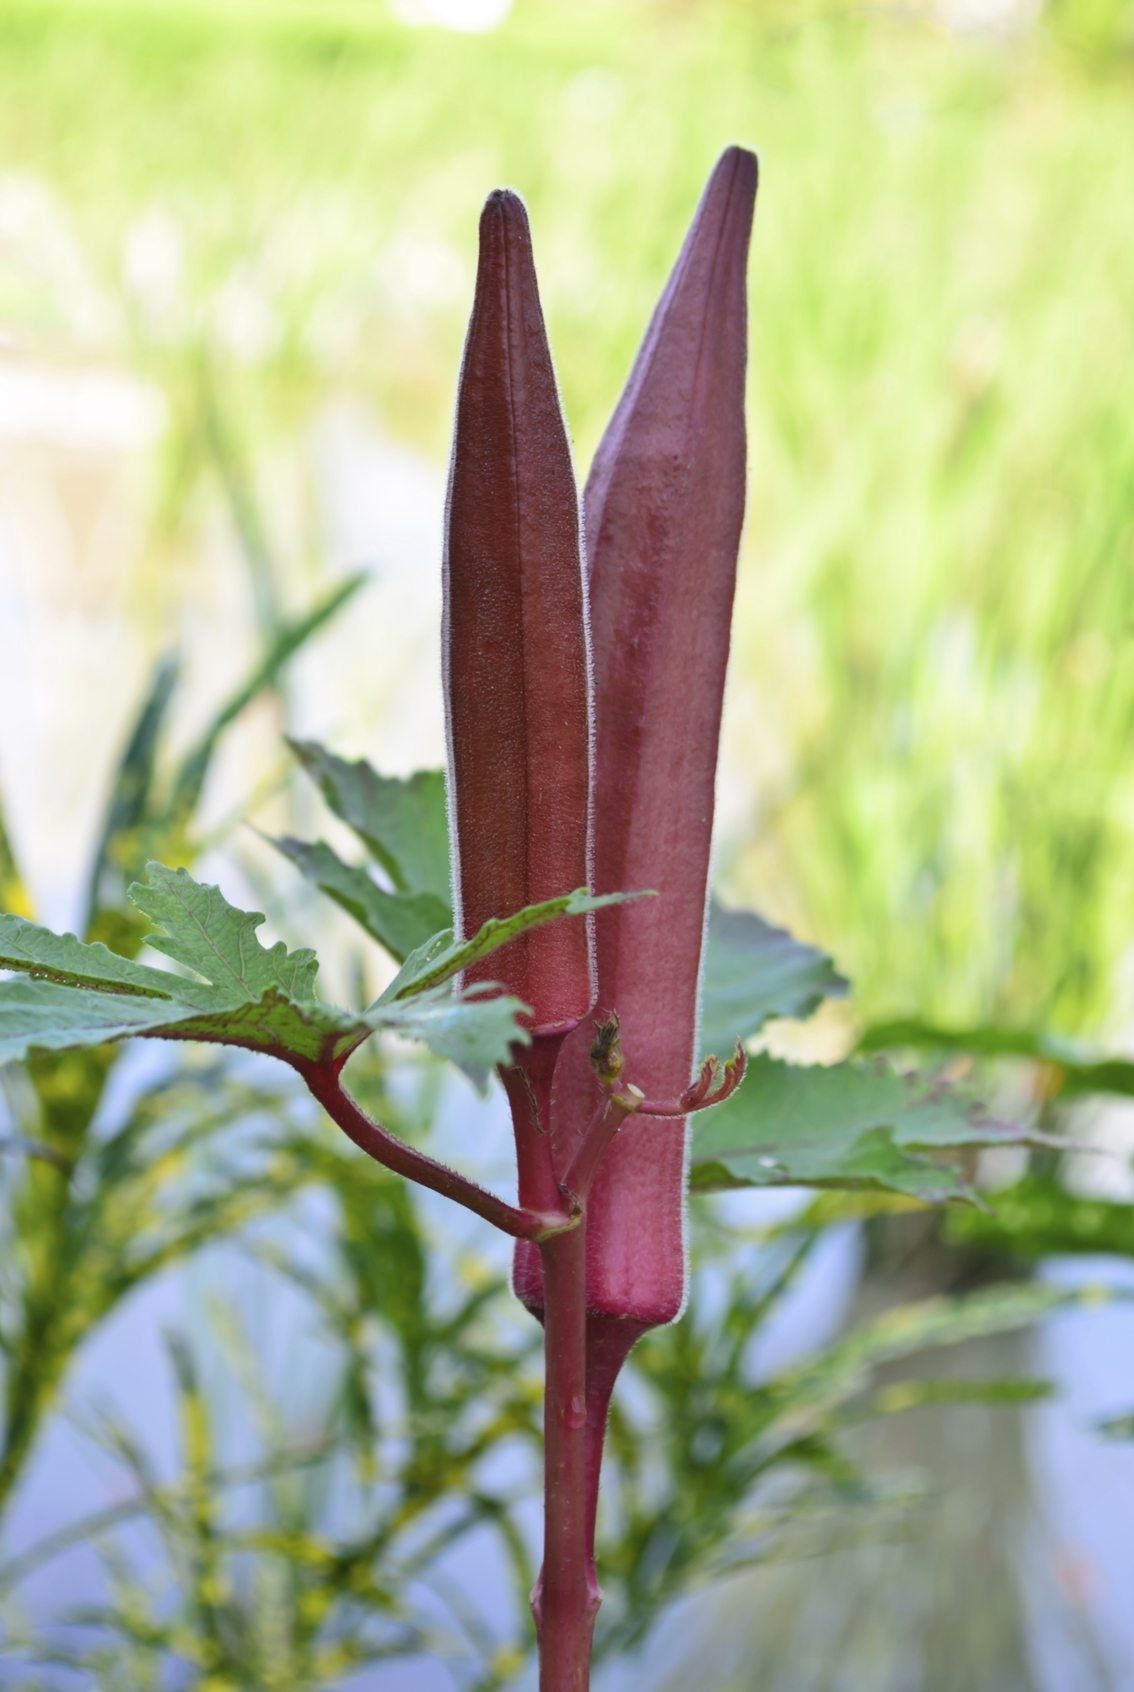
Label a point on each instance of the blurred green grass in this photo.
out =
(932, 699)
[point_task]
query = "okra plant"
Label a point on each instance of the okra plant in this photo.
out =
(547, 902)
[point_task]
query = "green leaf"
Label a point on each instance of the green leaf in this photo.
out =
(207, 934)
(901, 1396)
(442, 957)
(291, 636)
(1117, 1427)
(1038, 1218)
(62, 958)
(131, 797)
(842, 1125)
(475, 1029)
(398, 921)
(809, 1392)
(402, 821)
(754, 972)
(19, 1145)
(259, 998)
(45, 1016)
(1073, 1068)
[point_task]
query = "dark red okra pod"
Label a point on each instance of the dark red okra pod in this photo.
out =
(516, 666)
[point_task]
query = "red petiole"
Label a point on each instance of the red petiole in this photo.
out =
(385, 1148)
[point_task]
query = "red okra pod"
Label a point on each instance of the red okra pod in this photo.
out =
(663, 511)
(515, 637)
(517, 672)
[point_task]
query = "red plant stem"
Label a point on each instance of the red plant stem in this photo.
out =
(610, 1340)
(518, 1221)
(604, 1125)
(567, 1596)
(527, 1083)
(566, 1599)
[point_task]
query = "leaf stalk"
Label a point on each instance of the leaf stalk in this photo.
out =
(521, 1223)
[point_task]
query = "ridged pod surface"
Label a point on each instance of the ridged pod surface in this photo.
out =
(515, 637)
(663, 507)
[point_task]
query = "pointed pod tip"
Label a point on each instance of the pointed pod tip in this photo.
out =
(504, 211)
(737, 169)
(505, 243)
(504, 197)
(743, 159)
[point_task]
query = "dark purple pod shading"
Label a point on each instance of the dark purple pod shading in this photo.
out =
(514, 637)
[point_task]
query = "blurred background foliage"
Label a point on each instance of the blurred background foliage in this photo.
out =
(236, 253)
(932, 693)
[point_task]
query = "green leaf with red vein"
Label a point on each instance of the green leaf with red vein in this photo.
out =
(242, 993)
(246, 994)
(844, 1125)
